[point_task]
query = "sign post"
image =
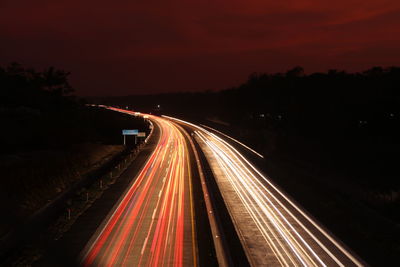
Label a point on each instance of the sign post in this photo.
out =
(129, 132)
(141, 134)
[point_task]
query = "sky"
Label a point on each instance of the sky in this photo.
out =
(125, 47)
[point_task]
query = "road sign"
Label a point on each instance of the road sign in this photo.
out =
(130, 132)
(141, 134)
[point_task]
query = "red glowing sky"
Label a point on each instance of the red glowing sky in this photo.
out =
(127, 47)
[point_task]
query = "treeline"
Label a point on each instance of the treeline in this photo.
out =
(333, 101)
(39, 90)
(50, 139)
(315, 103)
(349, 122)
(38, 111)
(339, 120)
(331, 140)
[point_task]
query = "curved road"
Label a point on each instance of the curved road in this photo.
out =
(274, 231)
(153, 222)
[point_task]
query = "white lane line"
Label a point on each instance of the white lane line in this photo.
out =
(144, 246)
(154, 212)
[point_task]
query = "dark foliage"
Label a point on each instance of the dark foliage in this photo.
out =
(344, 124)
(350, 122)
(330, 139)
(347, 121)
(39, 112)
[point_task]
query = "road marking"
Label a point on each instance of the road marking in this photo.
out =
(144, 246)
(154, 212)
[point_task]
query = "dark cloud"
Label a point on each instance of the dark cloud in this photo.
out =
(120, 47)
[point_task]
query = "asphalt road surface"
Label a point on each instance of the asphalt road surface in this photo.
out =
(153, 222)
(273, 230)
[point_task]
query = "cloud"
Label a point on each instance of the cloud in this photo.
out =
(195, 44)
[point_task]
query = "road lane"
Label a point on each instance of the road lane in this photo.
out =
(153, 223)
(274, 231)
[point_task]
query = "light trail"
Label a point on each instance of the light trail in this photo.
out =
(273, 230)
(233, 139)
(153, 222)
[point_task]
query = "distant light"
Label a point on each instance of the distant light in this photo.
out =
(158, 106)
(262, 115)
(391, 115)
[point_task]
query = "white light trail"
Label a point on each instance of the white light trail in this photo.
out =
(293, 237)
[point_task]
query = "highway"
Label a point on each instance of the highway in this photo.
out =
(153, 222)
(273, 230)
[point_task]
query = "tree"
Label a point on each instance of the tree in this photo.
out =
(295, 72)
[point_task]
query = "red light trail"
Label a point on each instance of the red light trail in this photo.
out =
(153, 223)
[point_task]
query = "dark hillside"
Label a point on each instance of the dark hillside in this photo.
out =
(330, 139)
(49, 139)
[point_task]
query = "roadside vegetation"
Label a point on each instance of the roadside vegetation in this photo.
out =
(329, 139)
(49, 139)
